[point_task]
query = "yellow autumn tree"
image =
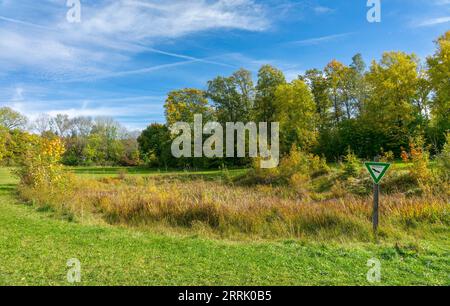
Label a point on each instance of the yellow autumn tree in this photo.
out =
(439, 74)
(40, 162)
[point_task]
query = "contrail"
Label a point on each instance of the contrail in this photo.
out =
(186, 57)
(318, 40)
(29, 24)
(129, 72)
(176, 55)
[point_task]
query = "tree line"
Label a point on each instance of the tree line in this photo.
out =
(87, 141)
(328, 111)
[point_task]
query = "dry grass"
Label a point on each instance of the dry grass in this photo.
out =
(227, 210)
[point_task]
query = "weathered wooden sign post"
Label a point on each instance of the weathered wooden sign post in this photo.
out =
(377, 172)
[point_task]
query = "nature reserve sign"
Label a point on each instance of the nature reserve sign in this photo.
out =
(377, 170)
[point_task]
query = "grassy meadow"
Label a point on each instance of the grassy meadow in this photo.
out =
(209, 239)
(213, 166)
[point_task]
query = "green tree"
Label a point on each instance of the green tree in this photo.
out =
(232, 96)
(4, 138)
(421, 107)
(10, 119)
(422, 100)
(443, 161)
(154, 145)
(79, 129)
(358, 64)
(182, 105)
(356, 86)
(104, 144)
(319, 87)
(14, 145)
(296, 112)
(439, 74)
(334, 73)
(269, 78)
(389, 110)
(130, 152)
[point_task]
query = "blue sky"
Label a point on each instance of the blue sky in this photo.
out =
(125, 55)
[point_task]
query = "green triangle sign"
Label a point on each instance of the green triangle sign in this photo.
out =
(377, 170)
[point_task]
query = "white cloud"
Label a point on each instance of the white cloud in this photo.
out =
(116, 107)
(18, 94)
(292, 74)
(27, 50)
(323, 10)
(138, 20)
(111, 33)
(442, 2)
(25, 23)
(104, 111)
(47, 57)
(433, 21)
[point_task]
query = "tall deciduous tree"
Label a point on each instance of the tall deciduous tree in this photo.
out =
(358, 64)
(319, 88)
(422, 100)
(154, 144)
(357, 85)
(334, 72)
(62, 125)
(389, 110)
(4, 138)
(10, 119)
(232, 96)
(182, 105)
(295, 110)
(43, 124)
(269, 78)
(439, 73)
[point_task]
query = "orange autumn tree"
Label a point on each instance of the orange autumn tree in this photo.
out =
(420, 159)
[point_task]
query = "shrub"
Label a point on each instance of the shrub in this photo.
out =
(298, 167)
(400, 182)
(297, 162)
(387, 156)
(318, 166)
(443, 161)
(420, 158)
(352, 165)
(4, 135)
(404, 155)
(40, 162)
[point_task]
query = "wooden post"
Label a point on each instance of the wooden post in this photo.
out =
(376, 204)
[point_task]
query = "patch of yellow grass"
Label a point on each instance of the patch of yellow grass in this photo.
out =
(269, 212)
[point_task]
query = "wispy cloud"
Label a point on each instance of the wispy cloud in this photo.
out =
(25, 23)
(148, 108)
(112, 33)
(187, 57)
(320, 40)
(323, 10)
(129, 72)
(144, 19)
(442, 2)
(432, 22)
(115, 39)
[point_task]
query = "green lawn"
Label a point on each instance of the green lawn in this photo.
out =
(34, 249)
